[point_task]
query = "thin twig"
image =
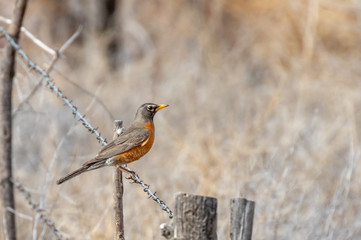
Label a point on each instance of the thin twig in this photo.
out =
(71, 39)
(31, 36)
(7, 73)
(19, 214)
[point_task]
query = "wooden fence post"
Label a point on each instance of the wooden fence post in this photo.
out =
(195, 217)
(242, 211)
(118, 190)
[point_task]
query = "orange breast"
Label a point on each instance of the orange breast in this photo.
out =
(138, 152)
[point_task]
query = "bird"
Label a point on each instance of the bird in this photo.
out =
(129, 146)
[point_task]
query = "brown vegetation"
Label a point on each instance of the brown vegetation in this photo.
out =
(264, 100)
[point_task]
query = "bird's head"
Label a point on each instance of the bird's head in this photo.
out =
(148, 110)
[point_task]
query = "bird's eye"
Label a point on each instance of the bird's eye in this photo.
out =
(150, 108)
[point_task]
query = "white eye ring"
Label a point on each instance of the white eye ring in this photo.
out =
(150, 108)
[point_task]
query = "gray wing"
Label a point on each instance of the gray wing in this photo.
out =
(129, 139)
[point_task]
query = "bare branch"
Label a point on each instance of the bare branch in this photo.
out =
(71, 39)
(7, 73)
(21, 215)
(31, 37)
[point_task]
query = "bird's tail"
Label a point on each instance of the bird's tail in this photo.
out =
(72, 174)
(87, 166)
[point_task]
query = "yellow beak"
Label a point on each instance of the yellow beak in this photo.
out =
(161, 107)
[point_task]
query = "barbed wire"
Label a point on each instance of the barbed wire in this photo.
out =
(38, 209)
(135, 178)
(54, 88)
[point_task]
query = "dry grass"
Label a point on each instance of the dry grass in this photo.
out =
(264, 102)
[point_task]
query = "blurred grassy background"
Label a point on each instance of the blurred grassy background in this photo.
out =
(265, 104)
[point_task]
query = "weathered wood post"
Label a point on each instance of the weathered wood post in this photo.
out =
(242, 211)
(195, 217)
(118, 190)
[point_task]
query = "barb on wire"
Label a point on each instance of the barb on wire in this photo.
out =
(135, 178)
(81, 117)
(37, 208)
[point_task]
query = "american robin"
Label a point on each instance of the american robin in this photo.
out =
(129, 146)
